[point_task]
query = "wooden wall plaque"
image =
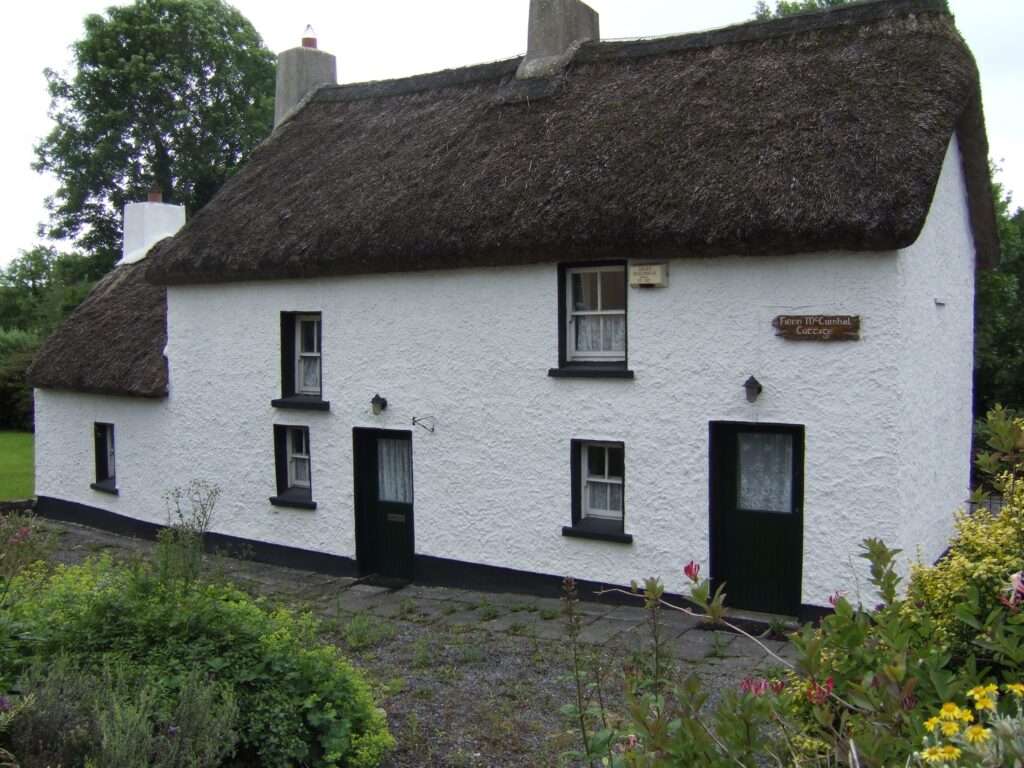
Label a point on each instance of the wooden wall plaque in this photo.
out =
(818, 327)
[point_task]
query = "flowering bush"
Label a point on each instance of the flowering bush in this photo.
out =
(986, 549)
(990, 736)
(859, 691)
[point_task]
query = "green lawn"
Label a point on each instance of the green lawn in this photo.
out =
(16, 465)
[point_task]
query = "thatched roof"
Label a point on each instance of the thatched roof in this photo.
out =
(823, 131)
(113, 343)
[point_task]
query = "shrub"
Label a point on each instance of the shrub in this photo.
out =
(299, 702)
(985, 550)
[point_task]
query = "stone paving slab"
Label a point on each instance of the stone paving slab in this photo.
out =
(697, 644)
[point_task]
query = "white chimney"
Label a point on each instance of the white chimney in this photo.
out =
(299, 71)
(145, 224)
(557, 27)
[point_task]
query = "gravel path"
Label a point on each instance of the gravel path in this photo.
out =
(467, 678)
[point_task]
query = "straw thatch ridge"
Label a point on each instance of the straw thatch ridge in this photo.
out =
(819, 132)
(113, 344)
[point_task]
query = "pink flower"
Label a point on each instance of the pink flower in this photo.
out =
(1016, 592)
(834, 599)
(756, 686)
(819, 694)
(692, 571)
(778, 685)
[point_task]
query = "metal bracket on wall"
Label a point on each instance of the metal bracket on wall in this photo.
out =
(427, 422)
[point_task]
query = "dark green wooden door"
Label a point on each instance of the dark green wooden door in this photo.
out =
(756, 498)
(383, 500)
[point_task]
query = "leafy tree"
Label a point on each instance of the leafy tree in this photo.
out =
(999, 316)
(788, 7)
(41, 287)
(176, 91)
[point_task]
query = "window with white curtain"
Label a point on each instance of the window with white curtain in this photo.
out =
(394, 470)
(765, 472)
(298, 457)
(596, 304)
(307, 354)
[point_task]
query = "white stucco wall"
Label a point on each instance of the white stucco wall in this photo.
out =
(937, 275)
(492, 485)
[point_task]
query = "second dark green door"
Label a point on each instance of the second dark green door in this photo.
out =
(756, 494)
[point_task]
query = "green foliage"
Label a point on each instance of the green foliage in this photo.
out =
(299, 702)
(22, 542)
(1003, 437)
(999, 315)
(17, 407)
(362, 632)
(789, 7)
(179, 554)
(176, 91)
(41, 287)
(984, 551)
(115, 716)
(862, 686)
(17, 465)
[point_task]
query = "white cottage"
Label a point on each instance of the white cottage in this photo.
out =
(596, 311)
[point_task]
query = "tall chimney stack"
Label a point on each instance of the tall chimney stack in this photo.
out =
(557, 27)
(299, 71)
(146, 224)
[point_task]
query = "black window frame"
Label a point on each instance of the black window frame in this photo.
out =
(290, 396)
(294, 496)
(104, 443)
(592, 527)
(610, 369)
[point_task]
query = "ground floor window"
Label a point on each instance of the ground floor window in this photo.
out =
(293, 466)
(598, 471)
(106, 466)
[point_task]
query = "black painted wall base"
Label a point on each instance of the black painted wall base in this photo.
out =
(234, 546)
(429, 570)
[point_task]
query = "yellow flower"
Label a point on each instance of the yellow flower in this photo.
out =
(976, 734)
(976, 691)
(949, 752)
(991, 688)
(931, 723)
(932, 755)
(985, 702)
(950, 728)
(949, 711)
(1017, 689)
(966, 716)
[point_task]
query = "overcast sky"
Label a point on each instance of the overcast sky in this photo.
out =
(394, 38)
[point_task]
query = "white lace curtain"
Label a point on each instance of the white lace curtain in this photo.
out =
(601, 333)
(394, 470)
(765, 475)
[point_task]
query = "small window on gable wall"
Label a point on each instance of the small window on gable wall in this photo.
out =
(301, 362)
(293, 468)
(106, 466)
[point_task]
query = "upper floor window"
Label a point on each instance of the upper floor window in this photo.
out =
(301, 362)
(597, 313)
(307, 354)
(592, 320)
(106, 466)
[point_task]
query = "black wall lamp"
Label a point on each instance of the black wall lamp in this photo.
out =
(753, 387)
(378, 404)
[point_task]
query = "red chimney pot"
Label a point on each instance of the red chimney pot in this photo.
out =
(155, 195)
(309, 37)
